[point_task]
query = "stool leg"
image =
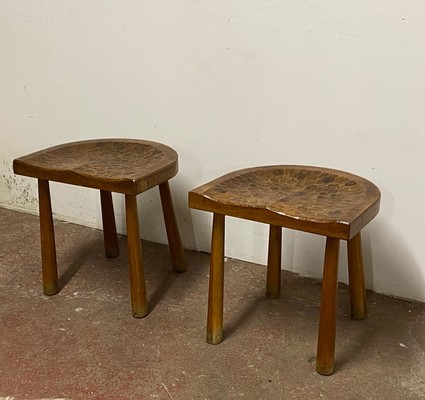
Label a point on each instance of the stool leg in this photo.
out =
(174, 241)
(137, 278)
(110, 237)
(327, 323)
(274, 262)
(356, 278)
(47, 235)
(216, 284)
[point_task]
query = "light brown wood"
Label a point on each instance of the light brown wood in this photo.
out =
(47, 235)
(216, 282)
(318, 200)
(110, 236)
(137, 278)
(356, 278)
(174, 241)
(274, 262)
(127, 166)
(327, 324)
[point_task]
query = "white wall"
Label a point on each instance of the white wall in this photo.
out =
(229, 84)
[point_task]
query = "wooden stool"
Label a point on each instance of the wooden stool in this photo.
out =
(327, 202)
(110, 165)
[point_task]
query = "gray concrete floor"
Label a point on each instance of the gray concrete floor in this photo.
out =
(84, 344)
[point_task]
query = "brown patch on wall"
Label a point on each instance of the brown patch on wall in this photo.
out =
(21, 191)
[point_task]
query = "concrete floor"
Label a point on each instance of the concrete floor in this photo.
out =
(84, 344)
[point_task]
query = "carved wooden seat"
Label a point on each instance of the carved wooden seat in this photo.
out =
(327, 202)
(110, 165)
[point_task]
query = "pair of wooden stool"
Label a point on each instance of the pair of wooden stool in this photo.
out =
(327, 202)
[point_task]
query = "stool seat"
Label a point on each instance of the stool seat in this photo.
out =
(312, 199)
(120, 165)
(323, 201)
(126, 166)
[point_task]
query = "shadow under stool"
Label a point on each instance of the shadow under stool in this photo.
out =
(124, 166)
(323, 201)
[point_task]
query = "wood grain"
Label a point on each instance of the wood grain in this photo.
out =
(216, 282)
(127, 166)
(47, 236)
(174, 241)
(274, 262)
(137, 275)
(116, 165)
(356, 278)
(110, 236)
(324, 201)
(327, 323)
(311, 199)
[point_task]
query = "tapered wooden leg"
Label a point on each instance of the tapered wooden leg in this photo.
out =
(327, 324)
(110, 237)
(356, 278)
(274, 262)
(216, 284)
(174, 241)
(137, 278)
(47, 234)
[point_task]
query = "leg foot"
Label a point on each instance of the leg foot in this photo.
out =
(216, 283)
(47, 235)
(137, 277)
(327, 323)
